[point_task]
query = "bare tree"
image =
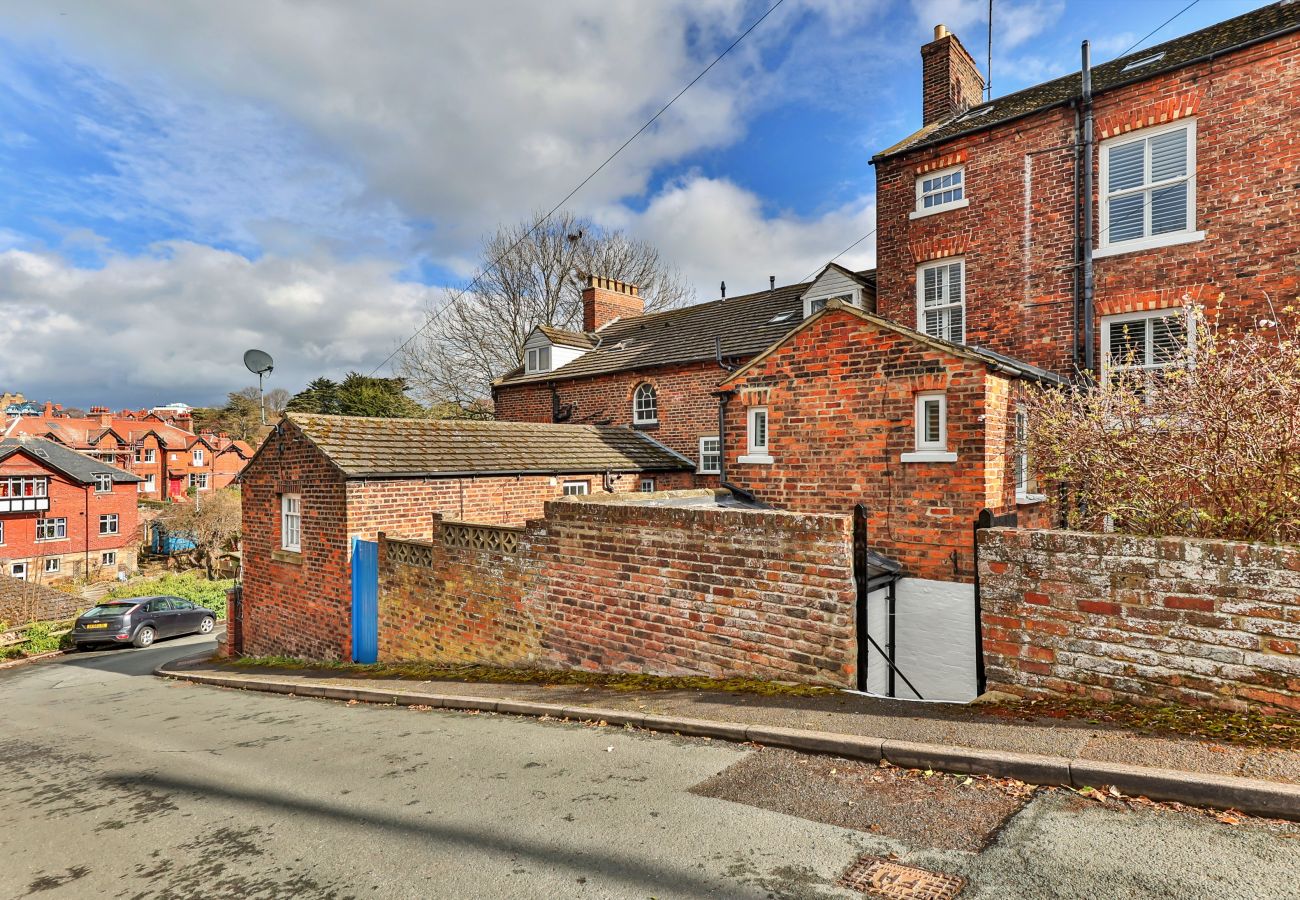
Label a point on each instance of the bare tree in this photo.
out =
(529, 279)
(212, 522)
(276, 400)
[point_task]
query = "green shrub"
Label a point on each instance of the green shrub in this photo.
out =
(40, 638)
(191, 586)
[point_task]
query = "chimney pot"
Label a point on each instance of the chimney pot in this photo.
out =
(940, 31)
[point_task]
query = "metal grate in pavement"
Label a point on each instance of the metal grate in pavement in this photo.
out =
(885, 878)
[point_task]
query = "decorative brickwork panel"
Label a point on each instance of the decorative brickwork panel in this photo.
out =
(1212, 623)
(481, 537)
(410, 553)
(627, 587)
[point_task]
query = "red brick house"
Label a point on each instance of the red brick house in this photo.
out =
(169, 458)
(657, 372)
(319, 481)
(63, 514)
(983, 219)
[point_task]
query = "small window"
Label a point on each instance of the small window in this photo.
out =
(647, 485)
(941, 300)
(850, 299)
(103, 483)
(51, 529)
(52, 565)
(1145, 61)
(931, 422)
(108, 524)
(944, 189)
(150, 456)
(576, 488)
(291, 522)
(758, 431)
(147, 486)
(710, 456)
(1026, 483)
(108, 558)
(538, 359)
(2, 532)
(198, 456)
(18, 570)
(645, 405)
(199, 480)
(1148, 188)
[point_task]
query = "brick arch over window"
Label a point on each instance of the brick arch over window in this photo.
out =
(645, 404)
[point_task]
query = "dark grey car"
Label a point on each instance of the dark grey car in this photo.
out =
(140, 621)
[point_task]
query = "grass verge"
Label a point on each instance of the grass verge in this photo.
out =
(416, 671)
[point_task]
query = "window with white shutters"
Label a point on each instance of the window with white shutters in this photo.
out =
(1148, 188)
(1138, 344)
(941, 304)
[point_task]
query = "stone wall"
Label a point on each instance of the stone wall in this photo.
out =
(1213, 623)
(621, 585)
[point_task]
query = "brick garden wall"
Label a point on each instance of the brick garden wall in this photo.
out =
(622, 586)
(1214, 623)
(1019, 254)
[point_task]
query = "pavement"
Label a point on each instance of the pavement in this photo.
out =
(120, 784)
(948, 737)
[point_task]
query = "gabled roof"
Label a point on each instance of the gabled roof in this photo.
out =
(964, 351)
(1273, 20)
(77, 466)
(564, 338)
(398, 448)
(745, 325)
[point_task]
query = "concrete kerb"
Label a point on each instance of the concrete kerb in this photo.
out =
(1248, 795)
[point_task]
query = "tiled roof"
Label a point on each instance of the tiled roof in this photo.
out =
(77, 466)
(746, 325)
(565, 338)
(1272, 20)
(82, 433)
(412, 447)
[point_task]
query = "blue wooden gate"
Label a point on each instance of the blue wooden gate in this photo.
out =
(365, 601)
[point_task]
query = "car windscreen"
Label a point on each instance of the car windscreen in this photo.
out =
(107, 609)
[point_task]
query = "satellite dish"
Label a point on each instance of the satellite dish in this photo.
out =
(258, 362)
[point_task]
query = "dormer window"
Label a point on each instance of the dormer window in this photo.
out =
(538, 360)
(819, 304)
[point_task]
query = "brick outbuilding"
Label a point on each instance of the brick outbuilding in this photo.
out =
(318, 482)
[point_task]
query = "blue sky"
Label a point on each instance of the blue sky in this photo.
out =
(179, 182)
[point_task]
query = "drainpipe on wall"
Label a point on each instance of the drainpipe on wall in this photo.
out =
(723, 398)
(1075, 256)
(1089, 352)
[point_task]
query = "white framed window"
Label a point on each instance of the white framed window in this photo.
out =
(757, 436)
(108, 524)
(941, 300)
(1026, 481)
(647, 485)
(150, 455)
(198, 456)
(199, 480)
(931, 429)
(1138, 344)
(291, 522)
(51, 529)
(710, 455)
(577, 488)
(18, 570)
(1147, 190)
(103, 483)
(16, 486)
(2, 532)
(819, 304)
(940, 190)
(645, 405)
(537, 359)
(148, 485)
(108, 558)
(52, 565)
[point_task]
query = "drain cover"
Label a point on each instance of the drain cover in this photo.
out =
(885, 878)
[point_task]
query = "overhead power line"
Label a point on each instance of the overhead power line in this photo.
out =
(1142, 39)
(433, 316)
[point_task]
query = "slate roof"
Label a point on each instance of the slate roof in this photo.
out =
(376, 448)
(1273, 20)
(77, 466)
(747, 324)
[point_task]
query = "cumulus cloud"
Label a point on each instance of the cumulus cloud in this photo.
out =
(176, 321)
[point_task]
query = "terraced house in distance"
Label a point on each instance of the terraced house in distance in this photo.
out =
(320, 484)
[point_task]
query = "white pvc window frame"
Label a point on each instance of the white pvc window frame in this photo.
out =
(1146, 241)
(710, 448)
(291, 522)
(930, 186)
(951, 307)
(645, 405)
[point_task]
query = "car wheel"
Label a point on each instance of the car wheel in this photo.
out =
(206, 626)
(144, 637)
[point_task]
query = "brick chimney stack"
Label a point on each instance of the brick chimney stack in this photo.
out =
(605, 299)
(951, 83)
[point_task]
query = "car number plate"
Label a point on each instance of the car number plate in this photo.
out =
(97, 625)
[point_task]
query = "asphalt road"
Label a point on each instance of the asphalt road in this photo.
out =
(119, 784)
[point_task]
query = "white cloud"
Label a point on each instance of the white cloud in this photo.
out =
(176, 322)
(1013, 23)
(716, 231)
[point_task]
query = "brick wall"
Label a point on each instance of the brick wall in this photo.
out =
(1213, 623)
(628, 587)
(687, 408)
(1019, 255)
(841, 397)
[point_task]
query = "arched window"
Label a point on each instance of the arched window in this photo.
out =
(645, 405)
